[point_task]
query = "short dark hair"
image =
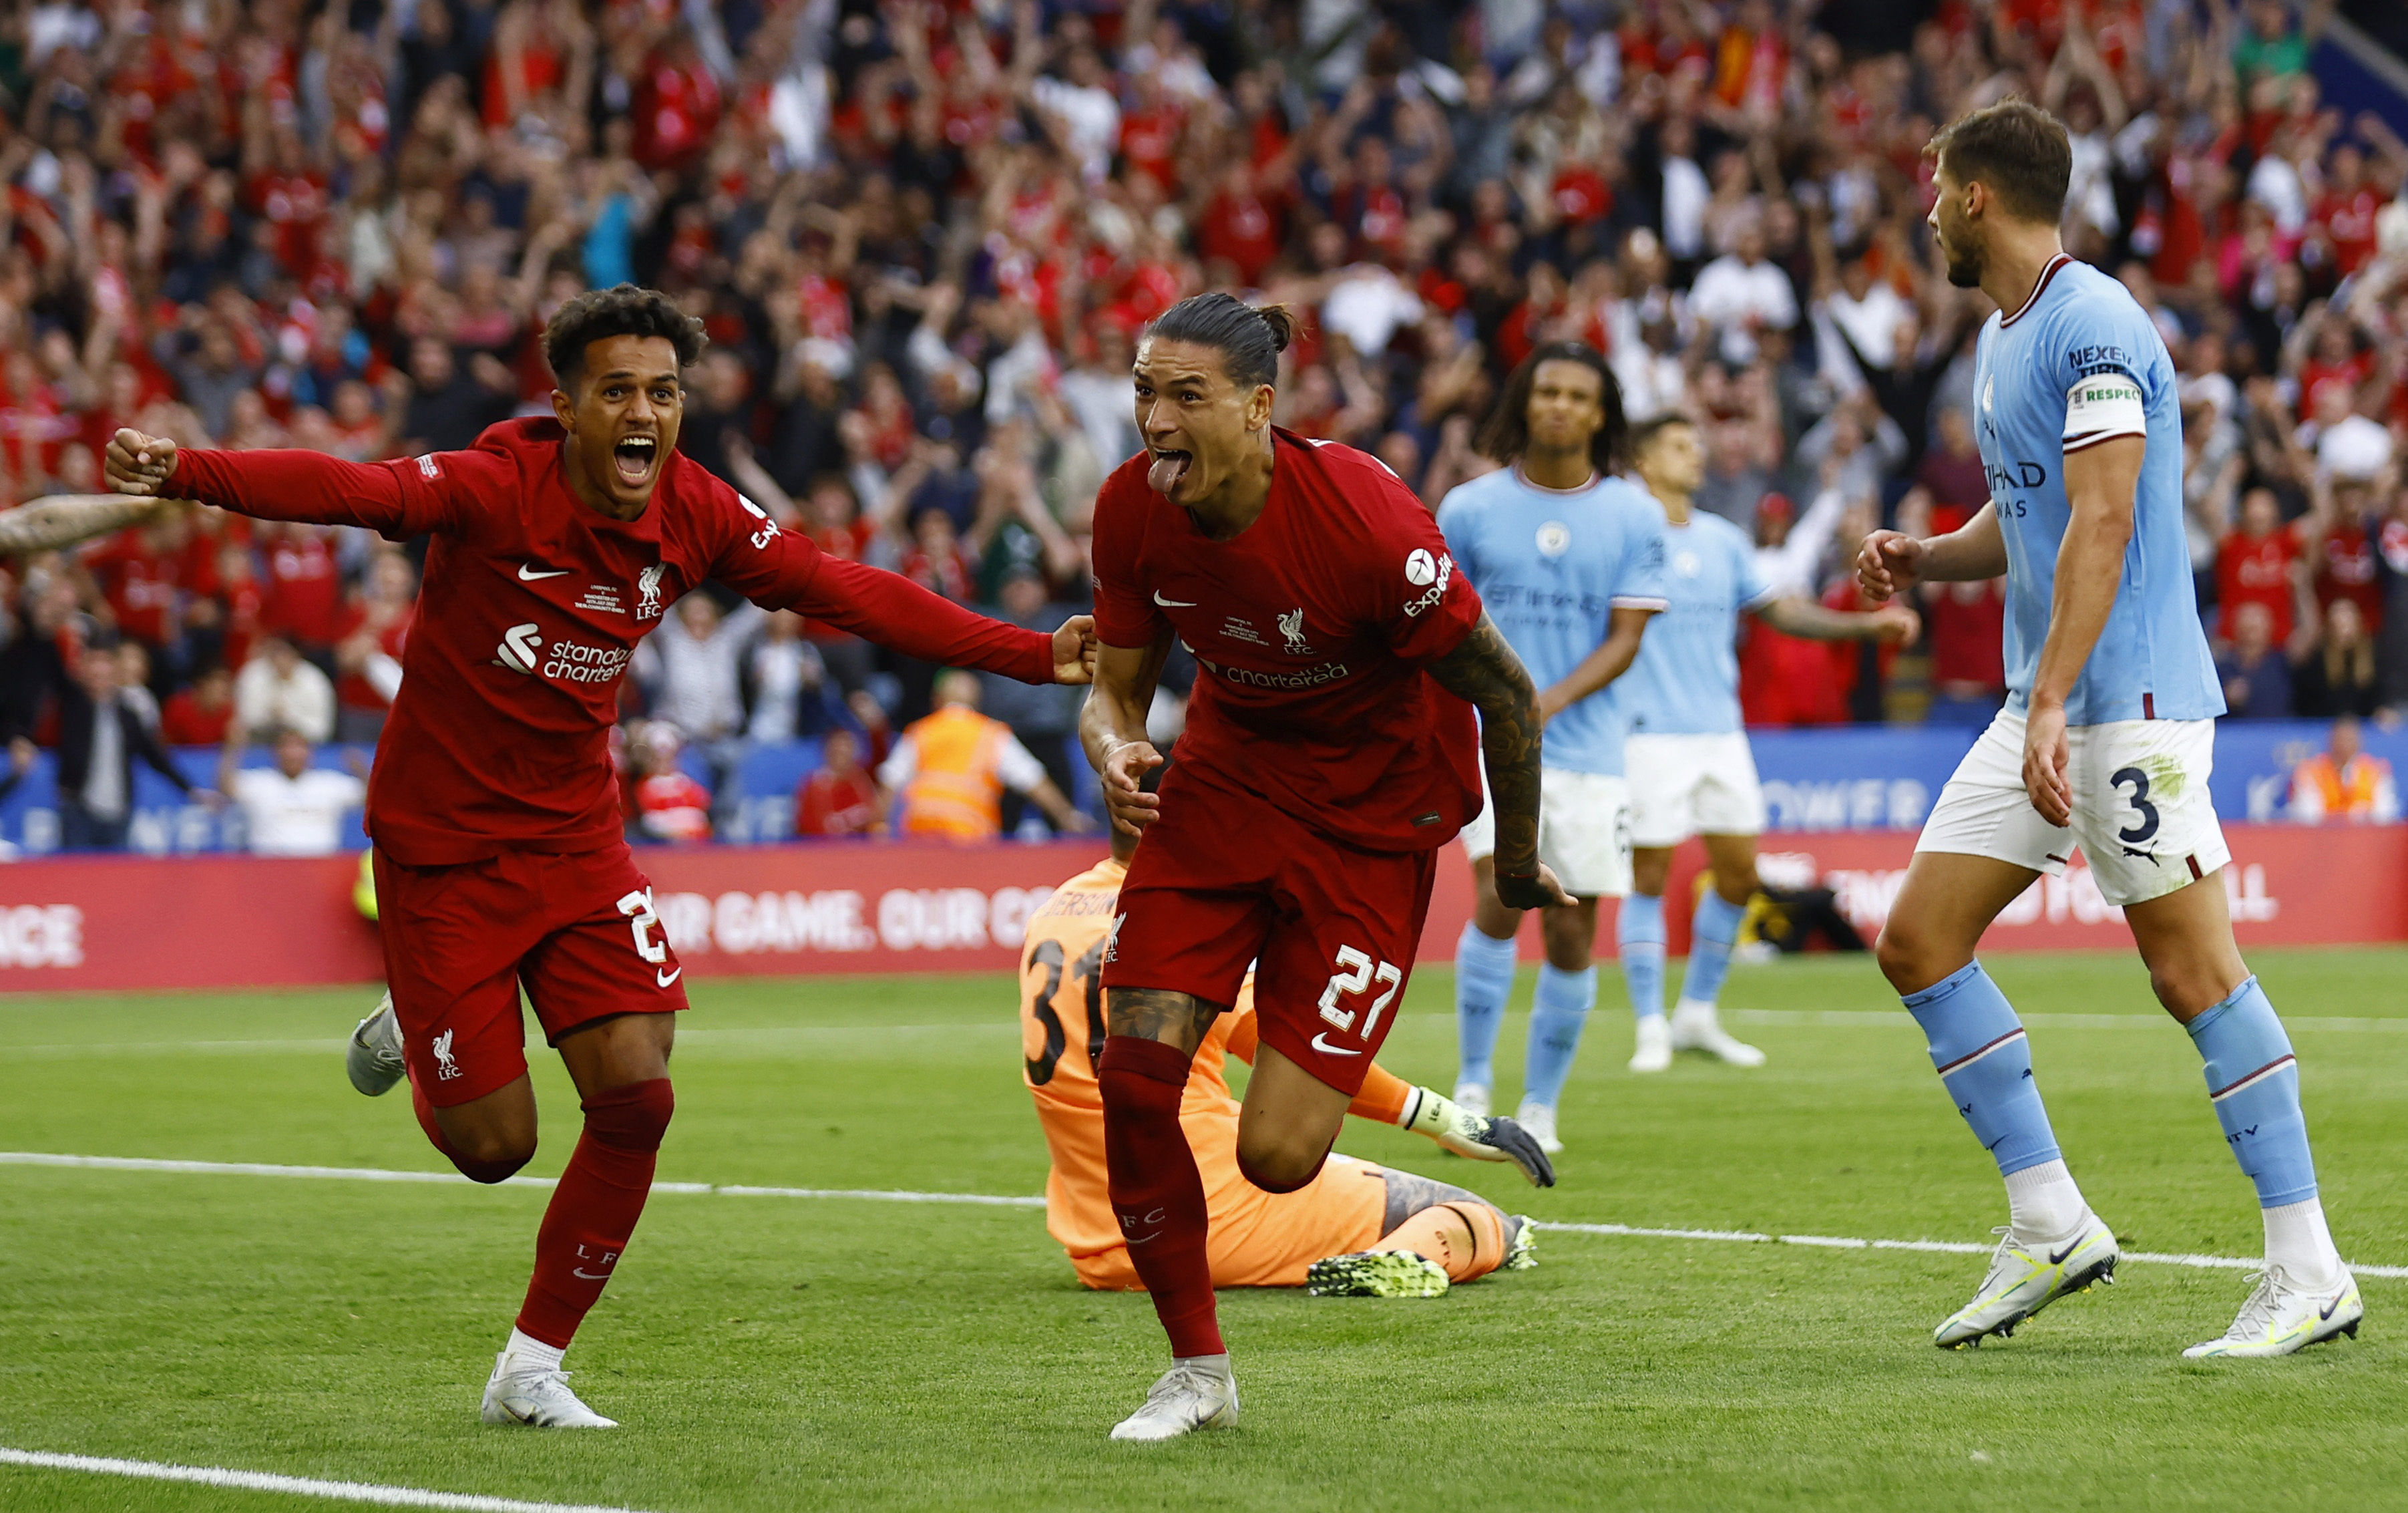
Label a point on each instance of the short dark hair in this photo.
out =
(1247, 338)
(1506, 434)
(1644, 435)
(626, 310)
(2016, 150)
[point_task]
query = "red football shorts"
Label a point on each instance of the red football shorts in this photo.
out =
(578, 931)
(1226, 880)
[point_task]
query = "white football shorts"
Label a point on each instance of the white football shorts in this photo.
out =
(1686, 785)
(2142, 813)
(1584, 832)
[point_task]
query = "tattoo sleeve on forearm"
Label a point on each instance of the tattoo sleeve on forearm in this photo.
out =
(1484, 672)
(49, 524)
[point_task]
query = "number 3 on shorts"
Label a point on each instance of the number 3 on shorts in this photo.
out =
(1356, 973)
(638, 907)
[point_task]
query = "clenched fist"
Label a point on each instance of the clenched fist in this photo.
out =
(139, 464)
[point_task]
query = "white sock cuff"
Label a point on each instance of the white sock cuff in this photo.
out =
(526, 1351)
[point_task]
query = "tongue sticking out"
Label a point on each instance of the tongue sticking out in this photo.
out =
(1167, 471)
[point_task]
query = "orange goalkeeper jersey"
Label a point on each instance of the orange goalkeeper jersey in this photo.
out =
(1257, 1239)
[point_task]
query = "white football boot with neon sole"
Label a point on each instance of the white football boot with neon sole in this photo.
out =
(2024, 1278)
(2282, 1317)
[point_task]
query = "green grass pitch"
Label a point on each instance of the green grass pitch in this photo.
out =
(771, 1353)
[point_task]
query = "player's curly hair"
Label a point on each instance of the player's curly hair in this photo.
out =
(1506, 433)
(626, 310)
(1247, 338)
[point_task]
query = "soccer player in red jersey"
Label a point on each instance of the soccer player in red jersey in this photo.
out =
(500, 857)
(1330, 752)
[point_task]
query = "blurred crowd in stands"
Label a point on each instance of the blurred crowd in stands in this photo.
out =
(923, 235)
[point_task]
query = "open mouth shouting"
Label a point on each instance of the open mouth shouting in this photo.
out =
(1170, 467)
(635, 458)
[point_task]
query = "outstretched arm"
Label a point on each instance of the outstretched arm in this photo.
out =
(396, 498)
(1809, 621)
(1483, 671)
(47, 524)
(893, 611)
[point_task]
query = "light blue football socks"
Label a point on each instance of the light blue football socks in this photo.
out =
(1483, 979)
(1558, 1017)
(1639, 934)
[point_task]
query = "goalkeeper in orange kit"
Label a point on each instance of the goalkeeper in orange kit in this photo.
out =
(1357, 1228)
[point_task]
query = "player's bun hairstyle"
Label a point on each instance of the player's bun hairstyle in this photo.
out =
(599, 314)
(1247, 338)
(1506, 434)
(2016, 150)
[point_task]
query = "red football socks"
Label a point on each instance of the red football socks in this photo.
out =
(1157, 1194)
(595, 1208)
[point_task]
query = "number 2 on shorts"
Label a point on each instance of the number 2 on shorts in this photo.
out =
(1355, 975)
(638, 907)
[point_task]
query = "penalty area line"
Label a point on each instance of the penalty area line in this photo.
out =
(264, 1481)
(992, 1199)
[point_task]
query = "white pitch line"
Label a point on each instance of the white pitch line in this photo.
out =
(990, 1200)
(373, 1173)
(263, 1481)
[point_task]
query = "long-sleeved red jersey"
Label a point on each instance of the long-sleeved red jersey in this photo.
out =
(530, 609)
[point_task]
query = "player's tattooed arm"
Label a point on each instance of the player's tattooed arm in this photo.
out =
(1158, 1014)
(1484, 672)
(1111, 729)
(47, 524)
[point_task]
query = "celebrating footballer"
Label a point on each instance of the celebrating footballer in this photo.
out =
(1329, 751)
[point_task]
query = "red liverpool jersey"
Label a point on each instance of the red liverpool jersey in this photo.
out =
(1312, 627)
(532, 607)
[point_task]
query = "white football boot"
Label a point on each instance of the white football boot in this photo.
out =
(1655, 1052)
(1537, 1121)
(2024, 1278)
(373, 1057)
(537, 1396)
(1472, 1098)
(2281, 1317)
(1697, 1027)
(1188, 1397)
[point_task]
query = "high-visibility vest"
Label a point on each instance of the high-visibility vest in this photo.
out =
(956, 790)
(2348, 791)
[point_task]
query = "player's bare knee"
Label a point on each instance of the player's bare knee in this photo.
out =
(490, 1155)
(1280, 1167)
(1737, 886)
(1909, 958)
(1570, 935)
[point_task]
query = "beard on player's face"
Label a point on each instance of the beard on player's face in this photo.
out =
(1959, 238)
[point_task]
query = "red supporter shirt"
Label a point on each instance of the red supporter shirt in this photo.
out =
(827, 804)
(304, 591)
(530, 609)
(142, 584)
(2256, 572)
(1311, 627)
(1968, 627)
(2348, 571)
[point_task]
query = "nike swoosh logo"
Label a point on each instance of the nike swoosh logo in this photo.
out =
(1321, 1044)
(664, 978)
(526, 577)
(2058, 1260)
(591, 1277)
(1173, 603)
(2327, 1311)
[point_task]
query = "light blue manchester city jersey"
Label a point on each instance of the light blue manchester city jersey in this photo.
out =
(1552, 564)
(1685, 682)
(2152, 661)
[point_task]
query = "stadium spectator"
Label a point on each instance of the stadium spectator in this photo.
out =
(784, 682)
(841, 798)
(948, 771)
(2336, 676)
(669, 804)
(100, 734)
(278, 690)
(2259, 562)
(201, 713)
(692, 667)
(291, 809)
(2256, 675)
(2345, 784)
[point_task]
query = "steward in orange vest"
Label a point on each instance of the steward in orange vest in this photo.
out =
(950, 770)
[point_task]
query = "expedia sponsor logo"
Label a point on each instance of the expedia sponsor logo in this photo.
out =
(1311, 677)
(1420, 570)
